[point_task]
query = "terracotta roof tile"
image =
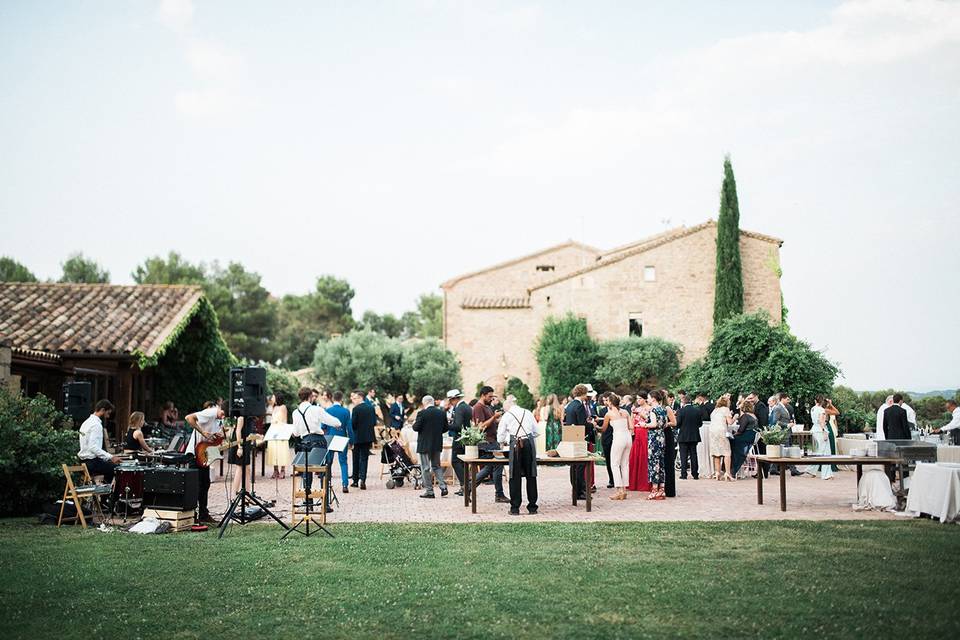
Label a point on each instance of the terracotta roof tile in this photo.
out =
(92, 318)
(483, 302)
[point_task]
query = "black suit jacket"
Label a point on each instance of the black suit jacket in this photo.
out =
(895, 426)
(762, 411)
(705, 410)
(462, 418)
(689, 421)
(364, 419)
(431, 424)
(575, 413)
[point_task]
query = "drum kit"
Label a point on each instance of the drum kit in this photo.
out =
(129, 474)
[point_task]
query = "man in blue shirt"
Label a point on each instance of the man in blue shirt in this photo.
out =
(341, 413)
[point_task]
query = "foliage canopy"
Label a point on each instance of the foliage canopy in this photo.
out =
(83, 270)
(632, 363)
(728, 296)
(13, 271)
(566, 354)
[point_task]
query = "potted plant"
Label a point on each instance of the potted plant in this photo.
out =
(773, 437)
(470, 438)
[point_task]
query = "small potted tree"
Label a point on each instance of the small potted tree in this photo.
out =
(470, 438)
(773, 437)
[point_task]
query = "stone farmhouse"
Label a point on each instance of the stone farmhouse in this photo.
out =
(660, 286)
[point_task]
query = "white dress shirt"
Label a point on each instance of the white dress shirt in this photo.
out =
(91, 439)
(911, 414)
(954, 422)
(512, 420)
(208, 422)
(307, 418)
(879, 433)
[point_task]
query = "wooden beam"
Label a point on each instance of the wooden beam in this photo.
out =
(124, 399)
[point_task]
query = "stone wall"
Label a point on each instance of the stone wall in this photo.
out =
(677, 305)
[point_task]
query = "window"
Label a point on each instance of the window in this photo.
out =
(546, 267)
(649, 274)
(636, 326)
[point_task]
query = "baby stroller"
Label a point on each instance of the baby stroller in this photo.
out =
(401, 466)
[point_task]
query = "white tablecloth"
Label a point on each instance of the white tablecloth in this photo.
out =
(948, 454)
(935, 490)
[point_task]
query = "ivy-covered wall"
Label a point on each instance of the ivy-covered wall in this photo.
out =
(194, 364)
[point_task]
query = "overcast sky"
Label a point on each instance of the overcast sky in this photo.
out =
(396, 144)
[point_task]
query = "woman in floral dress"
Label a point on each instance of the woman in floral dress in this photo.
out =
(552, 414)
(656, 423)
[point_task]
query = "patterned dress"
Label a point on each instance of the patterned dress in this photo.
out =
(553, 431)
(655, 445)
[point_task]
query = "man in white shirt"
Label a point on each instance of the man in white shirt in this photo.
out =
(911, 416)
(518, 428)
(954, 425)
(879, 432)
(208, 427)
(308, 421)
(92, 453)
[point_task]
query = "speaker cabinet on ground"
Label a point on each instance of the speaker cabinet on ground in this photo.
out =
(170, 488)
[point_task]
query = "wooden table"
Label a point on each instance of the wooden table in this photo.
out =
(472, 466)
(889, 465)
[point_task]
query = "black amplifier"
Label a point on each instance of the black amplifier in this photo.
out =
(165, 488)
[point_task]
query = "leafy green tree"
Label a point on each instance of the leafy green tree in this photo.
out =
(632, 363)
(430, 312)
(83, 270)
(280, 381)
(172, 270)
(358, 360)
(566, 354)
(427, 367)
(747, 353)
(247, 314)
(38, 440)
(728, 297)
(307, 319)
(387, 324)
(519, 389)
(13, 271)
(854, 416)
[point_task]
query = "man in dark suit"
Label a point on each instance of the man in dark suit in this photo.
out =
(706, 406)
(895, 424)
(575, 413)
(689, 422)
(431, 424)
(462, 417)
(606, 442)
(762, 411)
(364, 420)
(396, 412)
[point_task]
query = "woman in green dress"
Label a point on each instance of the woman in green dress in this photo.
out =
(552, 414)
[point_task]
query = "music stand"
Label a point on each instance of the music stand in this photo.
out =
(243, 495)
(307, 516)
(335, 444)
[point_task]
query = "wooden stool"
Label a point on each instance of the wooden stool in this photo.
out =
(298, 492)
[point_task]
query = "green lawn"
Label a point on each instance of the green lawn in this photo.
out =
(550, 580)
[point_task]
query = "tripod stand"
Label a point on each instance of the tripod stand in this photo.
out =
(243, 496)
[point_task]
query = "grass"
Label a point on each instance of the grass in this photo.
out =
(550, 580)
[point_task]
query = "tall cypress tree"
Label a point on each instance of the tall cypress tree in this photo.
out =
(728, 296)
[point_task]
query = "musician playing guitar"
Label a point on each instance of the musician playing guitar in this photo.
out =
(208, 431)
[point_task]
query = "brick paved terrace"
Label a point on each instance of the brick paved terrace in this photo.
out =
(807, 499)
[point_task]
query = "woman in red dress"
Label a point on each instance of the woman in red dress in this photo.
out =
(639, 477)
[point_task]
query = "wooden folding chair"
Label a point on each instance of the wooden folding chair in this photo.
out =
(87, 490)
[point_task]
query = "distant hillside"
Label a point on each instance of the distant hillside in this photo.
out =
(945, 393)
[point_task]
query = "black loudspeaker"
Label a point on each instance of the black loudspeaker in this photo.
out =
(78, 401)
(166, 488)
(248, 391)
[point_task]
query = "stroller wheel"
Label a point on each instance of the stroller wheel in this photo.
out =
(391, 484)
(399, 482)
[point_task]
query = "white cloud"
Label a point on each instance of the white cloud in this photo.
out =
(717, 94)
(176, 14)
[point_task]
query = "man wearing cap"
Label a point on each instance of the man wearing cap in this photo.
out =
(462, 416)
(431, 424)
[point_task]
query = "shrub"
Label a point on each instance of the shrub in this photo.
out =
(519, 389)
(566, 354)
(37, 440)
(747, 353)
(632, 363)
(282, 381)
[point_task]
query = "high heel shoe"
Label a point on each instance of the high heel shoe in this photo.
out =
(728, 478)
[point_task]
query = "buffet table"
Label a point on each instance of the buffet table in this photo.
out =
(947, 453)
(935, 490)
(472, 467)
(889, 465)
